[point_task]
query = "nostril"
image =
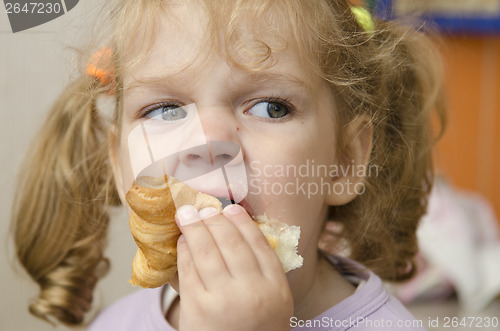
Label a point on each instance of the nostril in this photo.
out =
(192, 157)
(224, 158)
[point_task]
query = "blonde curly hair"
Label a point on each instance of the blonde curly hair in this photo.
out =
(391, 74)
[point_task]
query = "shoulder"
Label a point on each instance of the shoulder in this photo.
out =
(392, 315)
(370, 307)
(140, 310)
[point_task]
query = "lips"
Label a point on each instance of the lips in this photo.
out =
(246, 205)
(216, 186)
(226, 201)
(221, 193)
(215, 192)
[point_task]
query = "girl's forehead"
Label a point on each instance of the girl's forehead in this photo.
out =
(188, 38)
(177, 41)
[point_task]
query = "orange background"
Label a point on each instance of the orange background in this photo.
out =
(468, 155)
(469, 152)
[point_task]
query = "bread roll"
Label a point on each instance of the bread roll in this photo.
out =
(152, 223)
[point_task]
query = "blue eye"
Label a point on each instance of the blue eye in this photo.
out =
(167, 113)
(269, 109)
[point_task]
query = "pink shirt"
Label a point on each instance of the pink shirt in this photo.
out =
(369, 308)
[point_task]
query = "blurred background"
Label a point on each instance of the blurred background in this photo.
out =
(35, 66)
(459, 259)
(460, 243)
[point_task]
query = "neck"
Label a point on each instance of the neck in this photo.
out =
(319, 287)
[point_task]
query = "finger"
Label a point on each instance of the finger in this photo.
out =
(265, 255)
(205, 254)
(188, 280)
(237, 254)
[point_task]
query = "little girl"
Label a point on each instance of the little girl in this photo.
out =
(331, 111)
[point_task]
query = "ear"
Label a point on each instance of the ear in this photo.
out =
(353, 162)
(114, 152)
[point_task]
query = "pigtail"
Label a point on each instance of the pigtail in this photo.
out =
(399, 85)
(413, 92)
(60, 219)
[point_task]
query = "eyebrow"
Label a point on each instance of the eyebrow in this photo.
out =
(271, 77)
(250, 78)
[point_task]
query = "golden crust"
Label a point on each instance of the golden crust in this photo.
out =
(152, 224)
(154, 204)
(145, 276)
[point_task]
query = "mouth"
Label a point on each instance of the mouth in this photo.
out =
(226, 194)
(243, 203)
(225, 201)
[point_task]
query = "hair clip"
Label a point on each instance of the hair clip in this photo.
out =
(364, 18)
(99, 65)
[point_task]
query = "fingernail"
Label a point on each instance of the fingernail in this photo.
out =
(208, 212)
(187, 214)
(232, 210)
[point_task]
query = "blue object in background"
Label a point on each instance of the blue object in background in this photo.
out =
(452, 23)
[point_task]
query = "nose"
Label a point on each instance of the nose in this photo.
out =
(219, 130)
(211, 156)
(216, 167)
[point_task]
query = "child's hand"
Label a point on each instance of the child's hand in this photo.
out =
(229, 276)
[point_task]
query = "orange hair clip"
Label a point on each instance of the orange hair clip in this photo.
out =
(99, 65)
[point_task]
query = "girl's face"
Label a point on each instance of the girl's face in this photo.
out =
(282, 118)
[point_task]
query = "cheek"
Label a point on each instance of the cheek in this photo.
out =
(290, 175)
(125, 162)
(300, 158)
(294, 198)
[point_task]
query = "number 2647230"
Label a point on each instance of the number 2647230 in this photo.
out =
(33, 8)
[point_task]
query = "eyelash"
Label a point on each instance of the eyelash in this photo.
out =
(276, 99)
(149, 109)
